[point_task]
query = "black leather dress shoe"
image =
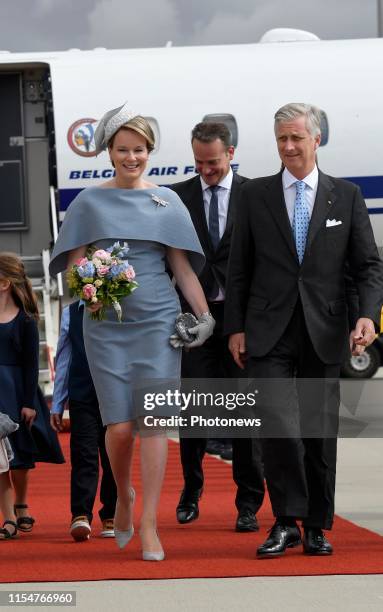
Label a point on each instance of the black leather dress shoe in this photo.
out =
(227, 451)
(187, 509)
(214, 447)
(246, 521)
(280, 538)
(315, 542)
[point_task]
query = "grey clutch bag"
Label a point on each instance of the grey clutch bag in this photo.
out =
(7, 426)
(184, 322)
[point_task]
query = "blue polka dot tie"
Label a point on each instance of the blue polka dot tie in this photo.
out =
(301, 219)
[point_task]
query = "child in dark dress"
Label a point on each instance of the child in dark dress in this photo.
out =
(20, 397)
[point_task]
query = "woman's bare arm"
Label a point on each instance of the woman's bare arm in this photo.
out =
(187, 280)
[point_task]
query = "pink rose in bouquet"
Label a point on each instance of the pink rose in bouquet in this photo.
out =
(103, 270)
(130, 273)
(89, 291)
(101, 254)
(81, 261)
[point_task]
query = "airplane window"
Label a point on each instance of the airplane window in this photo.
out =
(156, 129)
(324, 126)
(229, 121)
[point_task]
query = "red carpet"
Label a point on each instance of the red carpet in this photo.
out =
(207, 548)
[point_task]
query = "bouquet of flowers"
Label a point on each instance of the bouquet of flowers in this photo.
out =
(103, 276)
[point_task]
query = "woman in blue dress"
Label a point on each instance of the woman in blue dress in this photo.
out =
(20, 397)
(135, 355)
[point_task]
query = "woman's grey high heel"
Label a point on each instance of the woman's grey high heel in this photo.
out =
(123, 536)
(153, 556)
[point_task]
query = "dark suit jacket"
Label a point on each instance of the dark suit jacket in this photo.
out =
(190, 192)
(265, 278)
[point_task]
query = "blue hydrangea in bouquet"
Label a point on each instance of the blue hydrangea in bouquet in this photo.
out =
(103, 276)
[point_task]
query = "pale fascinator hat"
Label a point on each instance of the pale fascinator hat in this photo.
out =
(110, 123)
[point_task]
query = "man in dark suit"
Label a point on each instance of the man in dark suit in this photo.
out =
(211, 200)
(286, 312)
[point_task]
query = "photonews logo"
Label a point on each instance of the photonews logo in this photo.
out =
(81, 137)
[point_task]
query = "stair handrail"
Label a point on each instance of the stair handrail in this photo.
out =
(55, 234)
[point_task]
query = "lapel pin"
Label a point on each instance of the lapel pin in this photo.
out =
(159, 201)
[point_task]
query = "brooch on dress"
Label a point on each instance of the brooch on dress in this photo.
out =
(158, 201)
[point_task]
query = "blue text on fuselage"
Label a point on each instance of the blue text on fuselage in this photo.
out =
(92, 174)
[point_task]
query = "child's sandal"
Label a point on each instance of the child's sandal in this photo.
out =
(5, 534)
(24, 523)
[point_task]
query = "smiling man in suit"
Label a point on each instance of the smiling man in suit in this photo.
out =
(211, 199)
(286, 311)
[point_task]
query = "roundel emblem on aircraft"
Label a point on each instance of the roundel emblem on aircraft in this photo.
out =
(81, 137)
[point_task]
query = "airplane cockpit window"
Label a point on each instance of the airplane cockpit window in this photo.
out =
(324, 126)
(228, 120)
(156, 129)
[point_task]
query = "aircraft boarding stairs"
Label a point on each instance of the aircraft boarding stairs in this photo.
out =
(45, 288)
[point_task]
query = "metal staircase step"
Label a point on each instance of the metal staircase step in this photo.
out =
(45, 374)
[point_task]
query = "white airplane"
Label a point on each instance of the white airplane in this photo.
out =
(50, 104)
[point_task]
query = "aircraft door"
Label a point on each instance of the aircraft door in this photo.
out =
(12, 191)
